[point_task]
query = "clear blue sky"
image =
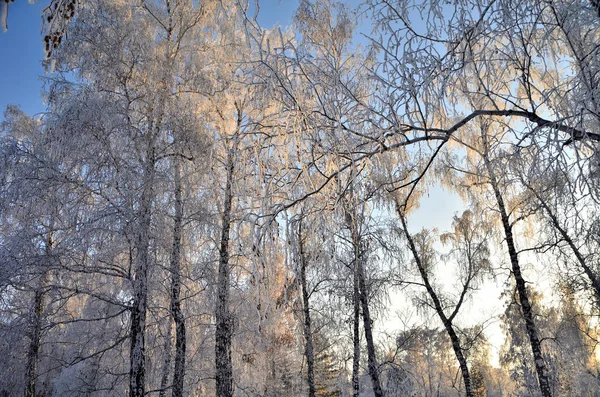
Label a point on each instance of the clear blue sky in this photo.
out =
(21, 54)
(21, 50)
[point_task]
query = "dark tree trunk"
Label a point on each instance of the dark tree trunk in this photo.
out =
(224, 331)
(164, 380)
(357, 245)
(178, 317)
(456, 346)
(356, 332)
(34, 344)
(137, 354)
(525, 304)
(367, 324)
(35, 337)
(37, 316)
(308, 349)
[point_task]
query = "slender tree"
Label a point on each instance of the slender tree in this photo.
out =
(358, 243)
(476, 262)
(309, 347)
(542, 372)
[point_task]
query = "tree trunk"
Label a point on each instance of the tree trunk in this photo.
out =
(308, 349)
(456, 346)
(35, 335)
(35, 338)
(164, 380)
(526, 309)
(34, 344)
(352, 221)
(137, 353)
(356, 333)
(367, 324)
(224, 332)
(178, 317)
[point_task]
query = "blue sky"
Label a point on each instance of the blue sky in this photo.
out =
(21, 50)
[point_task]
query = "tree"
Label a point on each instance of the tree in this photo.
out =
(478, 383)
(540, 366)
(469, 240)
(309, 348)
(356, 226)
(423, 363)
(136, 89)
(20, 158)
(38, 215)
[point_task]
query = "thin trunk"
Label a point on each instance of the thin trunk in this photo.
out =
(367, 324)
(178, 317)
(164, 380)
(34, 344)
(137, 354)
(36, 327)
(356, 333)
(534, 339)
(456, 346)
(308, 349)
(35, 339)
(224, 374)
(356, 302)
(352, 221)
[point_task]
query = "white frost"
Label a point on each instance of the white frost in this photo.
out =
(3, 15)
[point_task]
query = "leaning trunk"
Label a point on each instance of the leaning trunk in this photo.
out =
(367, 324)
(456, 346)
(526, 308)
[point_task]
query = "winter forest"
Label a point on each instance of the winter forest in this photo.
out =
(213, 207)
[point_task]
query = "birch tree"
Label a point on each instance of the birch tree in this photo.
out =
(470, 242)
(136, 90)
